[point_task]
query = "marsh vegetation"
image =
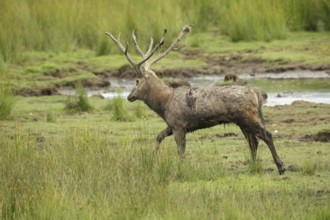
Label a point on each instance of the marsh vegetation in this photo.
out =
(80, 157)
(89, 165)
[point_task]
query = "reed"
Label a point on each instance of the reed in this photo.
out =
(7, 101)
(31, 25)
(78, 102)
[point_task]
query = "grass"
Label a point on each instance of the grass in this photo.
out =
(119, 112)
(55, 165)
(41, 69)
(7, 101)
(79, 102)
(89, 166)
(81, 24)
(290, 85)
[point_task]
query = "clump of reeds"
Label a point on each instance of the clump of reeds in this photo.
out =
(78, 102)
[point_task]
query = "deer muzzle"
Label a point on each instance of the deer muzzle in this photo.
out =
(131, 97)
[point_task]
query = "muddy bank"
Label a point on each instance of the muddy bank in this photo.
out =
(322, 136)
(220, 65)
(230, 64)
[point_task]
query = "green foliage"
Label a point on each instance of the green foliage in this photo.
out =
(78, 102)
(81, 23)
(86, 167)
(7, 101)
(255, 20)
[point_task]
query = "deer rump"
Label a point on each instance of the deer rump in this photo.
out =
(196, 108)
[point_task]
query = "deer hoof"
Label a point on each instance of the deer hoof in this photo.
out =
(281, 170)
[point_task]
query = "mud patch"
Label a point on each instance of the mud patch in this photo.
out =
(322, 136)
(46, 91)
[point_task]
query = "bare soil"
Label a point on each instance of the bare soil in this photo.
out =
(322, 136)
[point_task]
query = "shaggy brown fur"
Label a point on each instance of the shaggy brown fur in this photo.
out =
(187, 109)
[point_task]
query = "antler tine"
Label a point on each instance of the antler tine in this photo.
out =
(138, 49)
(186, 29)
(150, 45)
(125, 51)
(149, 54)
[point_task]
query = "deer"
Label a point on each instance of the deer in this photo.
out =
(186, 109)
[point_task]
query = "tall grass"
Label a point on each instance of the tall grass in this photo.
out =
(80, 175)
(255, 20)
(78, 102)
(119, 112)
(7, 101)
(67, 25)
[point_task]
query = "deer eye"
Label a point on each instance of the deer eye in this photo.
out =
(137, 82)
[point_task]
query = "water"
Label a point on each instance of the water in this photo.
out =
(288, 98)
(276, 96)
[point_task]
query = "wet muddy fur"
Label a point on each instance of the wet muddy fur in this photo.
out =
(253, 127)
(187, 109)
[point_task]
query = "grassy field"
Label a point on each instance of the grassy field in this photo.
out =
(80, 24)
(73, 157)
(60, 165)
(41, 70)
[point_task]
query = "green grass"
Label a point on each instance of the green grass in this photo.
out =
(7, 101)
(304, 47)
(290, 85)
(119, 112)
(79, 102)
(41, 69)
(80, 24)
(89, 166)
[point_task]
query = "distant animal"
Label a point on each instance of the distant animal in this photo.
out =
(234, 80)
(186, 109)
(231, 77)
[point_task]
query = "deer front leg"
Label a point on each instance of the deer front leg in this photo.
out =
(163, 134)
(180, 139)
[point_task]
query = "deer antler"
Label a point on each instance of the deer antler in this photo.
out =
(137, 66)
(150, 52)
(186, 29)
(125, 51)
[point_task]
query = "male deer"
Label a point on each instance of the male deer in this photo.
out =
(186, 109)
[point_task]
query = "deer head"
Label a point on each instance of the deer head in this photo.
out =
(142, 68)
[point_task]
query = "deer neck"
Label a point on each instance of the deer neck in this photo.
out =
(158, 95)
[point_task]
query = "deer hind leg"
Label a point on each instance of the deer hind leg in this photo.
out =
(163, 134)
(253, 142)
(180, 139)
(266, 136)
